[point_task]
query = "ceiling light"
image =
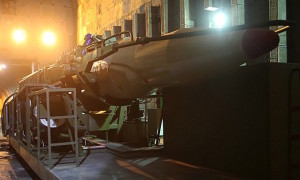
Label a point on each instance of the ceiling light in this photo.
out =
(211, 8)
(2, 66)
(19, 35)
(220, 20)
(48, 38)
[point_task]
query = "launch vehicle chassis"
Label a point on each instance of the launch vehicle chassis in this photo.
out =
(24, 113)
(23, 135)
(114, 160)
(100, 164)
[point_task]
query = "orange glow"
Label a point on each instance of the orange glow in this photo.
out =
(181, 163)
(134, 169)
(282, 29)
(190, 166)
(2, 66)
(19, 35)
(48, 38)
(7, 170)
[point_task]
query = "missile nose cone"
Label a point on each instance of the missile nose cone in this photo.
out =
(257, 42)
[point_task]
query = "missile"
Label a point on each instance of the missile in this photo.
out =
(108, 72)
(136, 71)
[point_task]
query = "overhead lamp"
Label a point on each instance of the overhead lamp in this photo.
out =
(220, 20)
(211, 8)
(2, 66)
(48, 38)
(209, 5)
(19, 35)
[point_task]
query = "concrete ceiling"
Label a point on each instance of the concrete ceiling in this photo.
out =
(35, 17)
(9, 79)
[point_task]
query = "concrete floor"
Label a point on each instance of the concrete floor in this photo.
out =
(99, 164)
(10, 166)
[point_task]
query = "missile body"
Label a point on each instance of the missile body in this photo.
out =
(137, 71)
(104, 75)
(116, 73)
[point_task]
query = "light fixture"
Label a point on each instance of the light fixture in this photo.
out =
(48, 38)
(211, 8)
(219, 20)
(19, 35)
(2, 66)
(209, 5)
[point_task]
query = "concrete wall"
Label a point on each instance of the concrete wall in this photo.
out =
(220, 124)
(36, 16)
(95, 16)
(237, 122)
(293, 36)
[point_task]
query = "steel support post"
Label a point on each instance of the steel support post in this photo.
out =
(48, 128)
(27, 127)
(37, 101)
(75, 127)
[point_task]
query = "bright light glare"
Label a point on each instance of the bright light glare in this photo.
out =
(48, 38)
(2, 66)
(220, 20)
(211, 8)
(19, 35)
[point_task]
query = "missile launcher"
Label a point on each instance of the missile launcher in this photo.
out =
(116, 72)
(108, 74)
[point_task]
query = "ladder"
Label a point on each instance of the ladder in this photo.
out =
(46, 92)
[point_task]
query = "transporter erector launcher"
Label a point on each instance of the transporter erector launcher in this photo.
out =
(116, 72)
(135, 71)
